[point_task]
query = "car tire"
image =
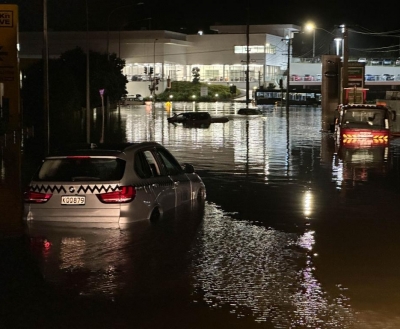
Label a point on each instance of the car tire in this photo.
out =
(155, 215)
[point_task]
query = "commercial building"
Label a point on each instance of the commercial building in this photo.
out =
(221, 57)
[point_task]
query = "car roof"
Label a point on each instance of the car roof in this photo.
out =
(193, 112)
(104, 149)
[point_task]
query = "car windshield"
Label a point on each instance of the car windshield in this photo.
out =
(80, 169)
(372, 119)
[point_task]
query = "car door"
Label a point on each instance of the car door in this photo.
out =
(158, 188)
(182, 183)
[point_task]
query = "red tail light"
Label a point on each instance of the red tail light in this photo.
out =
(124, 195)
(36, 197)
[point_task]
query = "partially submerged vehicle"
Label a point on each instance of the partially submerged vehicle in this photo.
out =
(120, 183)
(249, 111)
(196, 118)
(136, 99)
(364, 123)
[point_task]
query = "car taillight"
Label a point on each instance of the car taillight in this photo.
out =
(124, 195)
(36, 197)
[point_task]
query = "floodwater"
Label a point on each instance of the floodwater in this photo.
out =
(295, 233)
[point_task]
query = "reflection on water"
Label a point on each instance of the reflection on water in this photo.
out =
(264, 273)
(296, 232)
(260, 145)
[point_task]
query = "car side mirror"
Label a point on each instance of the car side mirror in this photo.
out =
(188, 168)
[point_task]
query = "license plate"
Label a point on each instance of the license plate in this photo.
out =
(72, 200)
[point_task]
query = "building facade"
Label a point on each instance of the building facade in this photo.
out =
(220, 57)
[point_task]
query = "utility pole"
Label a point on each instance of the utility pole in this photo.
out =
(153, 81)
(345, 66)
(288, 73)
(46, 77)
(87, 78)
(247, 59)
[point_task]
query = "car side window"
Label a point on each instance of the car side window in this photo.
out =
(170, 164)
(145, 165)
(152, 163)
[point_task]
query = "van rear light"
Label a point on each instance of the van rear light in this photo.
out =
(124, 195)
(36, 197)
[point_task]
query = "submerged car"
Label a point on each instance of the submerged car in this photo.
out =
(370, 124)
(196, 118)
(110, 183)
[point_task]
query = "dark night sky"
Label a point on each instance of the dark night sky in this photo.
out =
(191, 16)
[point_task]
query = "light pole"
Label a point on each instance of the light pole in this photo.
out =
(46, 76)
(311, 27)
(289, 41)
(87, 78)
(345, 65)
(154, 70)
(108, 23)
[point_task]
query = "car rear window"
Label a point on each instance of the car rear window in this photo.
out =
(80, 169)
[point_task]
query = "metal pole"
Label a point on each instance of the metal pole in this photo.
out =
(345, 63)
(87, 78)
(108, 23)
(154, 71)
(288, 75)
(46, 76)
(103, 119)
(247, 60)
(313, 47)
(265, 64)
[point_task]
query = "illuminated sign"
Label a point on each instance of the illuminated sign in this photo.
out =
(256, 49)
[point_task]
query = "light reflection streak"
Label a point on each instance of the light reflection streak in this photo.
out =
(307, 203)
(263, 273)
(256, 145)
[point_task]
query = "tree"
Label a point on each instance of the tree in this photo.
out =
(67, 93)
(196, 75)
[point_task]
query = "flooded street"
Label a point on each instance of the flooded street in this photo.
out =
(295, 233)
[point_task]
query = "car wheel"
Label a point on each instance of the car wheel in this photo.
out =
(155, 215)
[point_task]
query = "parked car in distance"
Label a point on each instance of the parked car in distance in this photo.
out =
(370, 77)
(376, 61)
(308, 77)
(362, 60)
(119, 183)
(295, 77)
(387, 77)
(196, 119)
(387, 61)
(397, 62)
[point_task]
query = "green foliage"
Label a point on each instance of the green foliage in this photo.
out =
(67, 92)
(185, 90)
